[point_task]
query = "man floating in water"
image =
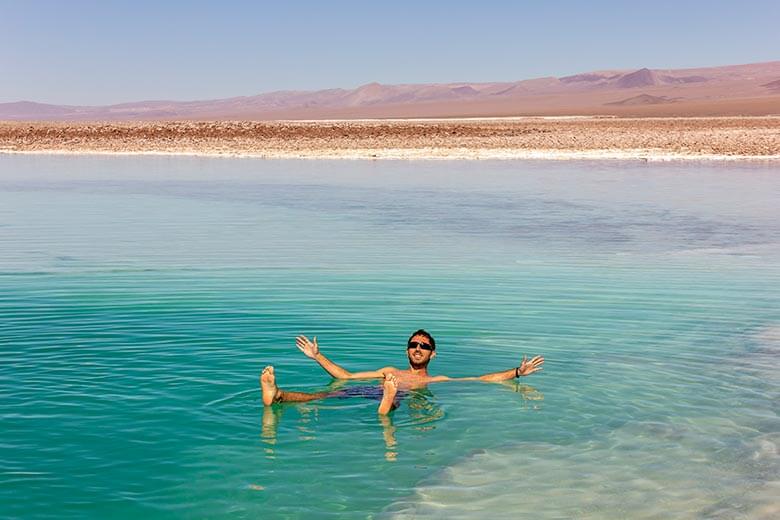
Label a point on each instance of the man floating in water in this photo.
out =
(421, 349)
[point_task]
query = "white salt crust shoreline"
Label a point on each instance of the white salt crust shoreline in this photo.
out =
(424, 154)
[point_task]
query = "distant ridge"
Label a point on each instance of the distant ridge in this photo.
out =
(772, 85)
(643, 99)
(748, 89)
(640, 78)
(586, 77)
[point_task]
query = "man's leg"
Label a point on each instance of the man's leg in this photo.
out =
(273, 394)
(389, 390)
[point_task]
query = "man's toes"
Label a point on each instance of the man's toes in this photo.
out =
(267, 378)
(268, 385)
(391, 383)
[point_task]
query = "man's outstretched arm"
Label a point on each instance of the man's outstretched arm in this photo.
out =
(526, 368)
(312, 350)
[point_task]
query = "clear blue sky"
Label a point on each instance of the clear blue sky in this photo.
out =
(101, 52)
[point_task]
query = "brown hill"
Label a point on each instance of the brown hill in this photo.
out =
(642, 99)
(773, 85)
(640, 78)
(730, 90)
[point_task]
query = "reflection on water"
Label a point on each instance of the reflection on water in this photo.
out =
(388, 433)
(423, 414)
(531, 396)
(423, 410)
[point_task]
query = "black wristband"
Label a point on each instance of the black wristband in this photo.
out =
(517, 372)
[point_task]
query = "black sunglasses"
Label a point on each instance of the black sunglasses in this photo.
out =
(415, 344)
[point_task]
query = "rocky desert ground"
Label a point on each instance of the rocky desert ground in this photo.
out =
(648, 138)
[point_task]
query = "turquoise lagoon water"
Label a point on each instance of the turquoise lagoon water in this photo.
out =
(141, 297)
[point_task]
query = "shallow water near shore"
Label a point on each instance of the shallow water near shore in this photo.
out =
(140, 297)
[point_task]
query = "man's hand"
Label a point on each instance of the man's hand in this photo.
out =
(312, 350)
(529, 367)
(309, 348)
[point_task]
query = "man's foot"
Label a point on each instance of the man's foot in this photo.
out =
(268, 384)
(390, 389)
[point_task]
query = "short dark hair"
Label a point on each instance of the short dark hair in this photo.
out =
(425, 334)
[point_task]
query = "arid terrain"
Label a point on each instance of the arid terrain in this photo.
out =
(733, 90)
(557, 138)
(727, 112)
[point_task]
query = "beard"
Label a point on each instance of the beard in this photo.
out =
(418, 365)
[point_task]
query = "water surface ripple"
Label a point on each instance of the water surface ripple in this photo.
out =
(141, 297)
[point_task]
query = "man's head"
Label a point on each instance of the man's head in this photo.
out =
(420, 348)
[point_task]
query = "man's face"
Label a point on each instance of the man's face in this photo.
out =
(418, 356)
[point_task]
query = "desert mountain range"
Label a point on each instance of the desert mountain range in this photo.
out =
(751, 89)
